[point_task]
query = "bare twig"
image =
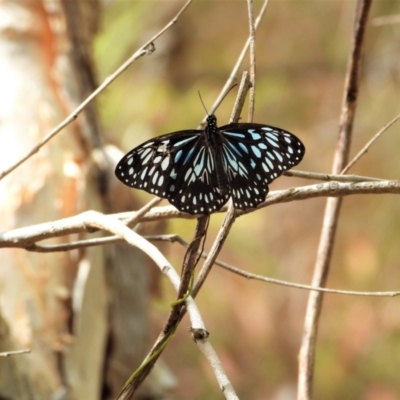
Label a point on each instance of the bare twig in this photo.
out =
(241, 97)
(307, 350)
(330, 177)
(147, 48)
(178, 308)
(133, 220)
(26, 238)
(235, 70)
(14, 352)
(386, 20)
(215, 249)
(93, 219)
(252, 30)
(250, 275)
(365, 149)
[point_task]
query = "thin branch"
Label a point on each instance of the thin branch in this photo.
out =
(252, 30)
(244, 87)
(332, 210)
(240, 98)
(14, 352)
(92, 219)
(25, 238)
(215, 249)
(330, 177)
(178, 308)
(148, 48)
(365, 149)
(233, 76)
(250, 275)
(386, 20)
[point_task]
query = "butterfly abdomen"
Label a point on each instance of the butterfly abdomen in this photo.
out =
(214, 143)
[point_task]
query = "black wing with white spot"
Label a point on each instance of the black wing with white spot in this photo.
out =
(198, 170)
(178, 166)
(253, 156)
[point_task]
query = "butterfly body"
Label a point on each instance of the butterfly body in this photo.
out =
(198, 170)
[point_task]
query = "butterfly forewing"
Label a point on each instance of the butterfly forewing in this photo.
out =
(179, 167)
(255, 155)
(154, 165)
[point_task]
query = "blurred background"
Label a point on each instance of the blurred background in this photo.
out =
(256, 328)
(302, 51)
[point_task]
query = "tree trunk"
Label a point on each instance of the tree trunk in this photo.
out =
(83, 314)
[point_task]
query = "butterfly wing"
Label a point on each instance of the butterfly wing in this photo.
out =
(179, 167)
(254, 155)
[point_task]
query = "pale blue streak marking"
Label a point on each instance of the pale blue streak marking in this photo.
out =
(231, 158)
(143, 174)
(235, 134)
(198, 168)
(234, 148)
(272, 142)
(254, 134)
(155, 177)
(173, 174)
(256, 151)
(183, 141)
(145, 153)
(252, 163)
(199, 162)
(278, 156)
(188, 156)
(165, 163)
(262, 146)
(146, 159)
(272, 136)
(178, 156)
(188, 172)
(269, 163)
(242, 170)
(244, 148)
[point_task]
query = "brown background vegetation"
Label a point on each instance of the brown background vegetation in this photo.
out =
(256, 328)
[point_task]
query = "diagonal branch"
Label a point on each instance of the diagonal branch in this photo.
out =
(252, 94)
(332, 210)
(175, 316)
(147, 49)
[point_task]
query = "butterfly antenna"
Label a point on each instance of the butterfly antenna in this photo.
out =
(203, 103)
(219, 102)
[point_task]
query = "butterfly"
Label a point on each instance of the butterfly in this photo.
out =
(199, 170)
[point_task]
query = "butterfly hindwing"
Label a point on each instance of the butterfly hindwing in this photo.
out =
(255, 155)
